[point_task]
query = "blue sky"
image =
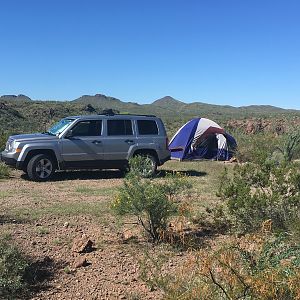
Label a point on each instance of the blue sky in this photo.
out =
(235, 52)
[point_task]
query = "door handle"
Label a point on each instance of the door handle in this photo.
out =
(96, 142)
(129, 141)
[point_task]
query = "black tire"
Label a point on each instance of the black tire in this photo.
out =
(124, 170)
(41, 167)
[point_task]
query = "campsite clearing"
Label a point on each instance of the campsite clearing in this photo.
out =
(44, 219)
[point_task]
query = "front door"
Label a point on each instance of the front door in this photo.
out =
(84, 148)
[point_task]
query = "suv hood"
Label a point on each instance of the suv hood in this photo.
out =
(32, 137)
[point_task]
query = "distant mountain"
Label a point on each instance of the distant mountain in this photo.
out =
(97, 99)
(163, 106)
(101, 102)
(168, 101)
(200, 108)
(15, 98)
(266, 108)
(21, 114)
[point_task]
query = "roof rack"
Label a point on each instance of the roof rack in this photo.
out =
(140, 115)
(110, 112)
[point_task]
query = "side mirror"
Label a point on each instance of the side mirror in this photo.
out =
(69, 134)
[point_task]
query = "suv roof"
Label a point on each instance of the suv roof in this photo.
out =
(110, 116)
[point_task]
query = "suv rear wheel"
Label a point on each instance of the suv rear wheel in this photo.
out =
(148, 166)
(41, 167)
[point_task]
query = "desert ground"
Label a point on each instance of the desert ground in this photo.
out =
(47, 219)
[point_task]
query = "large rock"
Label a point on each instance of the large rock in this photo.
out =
(82, 245)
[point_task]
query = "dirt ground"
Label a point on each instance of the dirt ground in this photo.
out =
(44, 219)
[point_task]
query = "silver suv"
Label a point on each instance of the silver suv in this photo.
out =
(104, 141)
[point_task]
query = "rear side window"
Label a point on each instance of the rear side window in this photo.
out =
(119, 127)
(147, 127)
(87, 128)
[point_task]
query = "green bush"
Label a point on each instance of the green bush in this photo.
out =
(141, 165)
(254, 148)
(3, 140)
(260, 192)
(262, 146)
(152, 202)
(12, 270)
(4, 171)
(291, 145)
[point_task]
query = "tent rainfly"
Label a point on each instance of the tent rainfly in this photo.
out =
(201, 138)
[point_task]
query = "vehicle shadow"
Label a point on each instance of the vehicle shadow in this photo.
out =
(192, 173)
(112, 174)
(83, 175)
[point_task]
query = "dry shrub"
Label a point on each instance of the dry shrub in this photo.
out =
(180, 233)
(256, 266)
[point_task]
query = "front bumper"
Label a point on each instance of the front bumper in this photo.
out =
(10, 161)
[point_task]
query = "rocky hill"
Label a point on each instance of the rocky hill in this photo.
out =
(18, 113)
(19, 98)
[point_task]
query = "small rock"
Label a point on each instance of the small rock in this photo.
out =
(66, 224)
(128, 236)
(80, 262)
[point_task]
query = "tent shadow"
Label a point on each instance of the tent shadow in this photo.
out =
(192, 173)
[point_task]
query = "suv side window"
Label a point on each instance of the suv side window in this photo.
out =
(147, 127)
(87, 128)
(119, 127)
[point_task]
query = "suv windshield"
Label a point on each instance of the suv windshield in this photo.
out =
(60, 126)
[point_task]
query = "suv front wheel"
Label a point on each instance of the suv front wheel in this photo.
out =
(41, 167)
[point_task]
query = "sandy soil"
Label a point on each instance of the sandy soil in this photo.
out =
(44, 219)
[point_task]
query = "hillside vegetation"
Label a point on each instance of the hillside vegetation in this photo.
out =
(21, 114)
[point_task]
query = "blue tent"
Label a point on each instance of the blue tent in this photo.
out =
(201, 138)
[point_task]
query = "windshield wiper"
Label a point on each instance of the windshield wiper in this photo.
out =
(48, 132)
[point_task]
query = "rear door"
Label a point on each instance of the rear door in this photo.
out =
(119, 138)
(84, 148)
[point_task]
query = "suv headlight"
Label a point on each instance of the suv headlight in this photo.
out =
(12, 146)
(8, 146)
